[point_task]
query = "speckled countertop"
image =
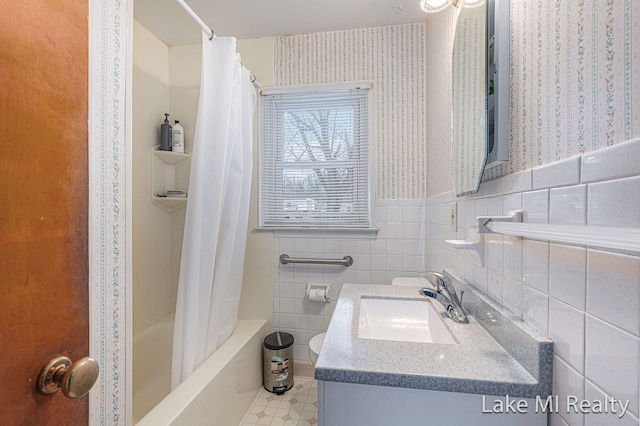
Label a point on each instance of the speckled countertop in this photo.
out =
(477, 364)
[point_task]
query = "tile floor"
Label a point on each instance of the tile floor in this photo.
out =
(297, 406)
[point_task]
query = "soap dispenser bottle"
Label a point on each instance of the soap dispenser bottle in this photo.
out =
(165, 134)
(177, 139)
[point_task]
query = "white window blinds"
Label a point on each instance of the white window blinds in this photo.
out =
(315, 158)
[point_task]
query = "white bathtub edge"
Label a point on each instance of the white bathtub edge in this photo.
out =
(174, 404)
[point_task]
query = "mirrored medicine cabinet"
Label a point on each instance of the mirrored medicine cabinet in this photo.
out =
(480, 92)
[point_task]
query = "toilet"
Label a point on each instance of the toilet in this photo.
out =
(411, 281)
(315, 344)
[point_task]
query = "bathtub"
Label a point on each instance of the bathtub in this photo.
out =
(222, 388)
(152, 366)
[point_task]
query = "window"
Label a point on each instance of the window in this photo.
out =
(315, 157)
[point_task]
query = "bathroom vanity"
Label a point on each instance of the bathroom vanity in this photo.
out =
(496, 370)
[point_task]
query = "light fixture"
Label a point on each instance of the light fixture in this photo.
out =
(433, 6)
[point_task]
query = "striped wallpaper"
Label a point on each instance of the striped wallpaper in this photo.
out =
(440, 33)
(575, 76)
(394, 57)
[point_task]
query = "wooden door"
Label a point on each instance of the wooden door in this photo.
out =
(43, 203)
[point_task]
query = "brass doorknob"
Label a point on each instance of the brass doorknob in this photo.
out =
(75, 380)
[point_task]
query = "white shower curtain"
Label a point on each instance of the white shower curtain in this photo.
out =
(217, 209)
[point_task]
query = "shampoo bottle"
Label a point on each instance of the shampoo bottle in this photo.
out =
(177, 141)
(165, 134)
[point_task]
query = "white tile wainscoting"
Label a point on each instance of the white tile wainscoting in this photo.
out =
(586, 299)
(398, 249)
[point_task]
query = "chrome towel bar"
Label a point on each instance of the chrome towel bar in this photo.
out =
(345, 261)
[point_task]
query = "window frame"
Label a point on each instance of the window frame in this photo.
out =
(306, 90)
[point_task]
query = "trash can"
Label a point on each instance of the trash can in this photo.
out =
(277, 364)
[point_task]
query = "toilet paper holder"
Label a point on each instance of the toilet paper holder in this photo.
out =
(318, 292)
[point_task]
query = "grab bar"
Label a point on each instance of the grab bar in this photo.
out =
(345, 261)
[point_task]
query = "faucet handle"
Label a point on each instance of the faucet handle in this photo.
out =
(427, 292)
(453, 294)
(445, 286)
(440, 279)
(454, 311)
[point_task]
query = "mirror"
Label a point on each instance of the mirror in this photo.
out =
(480, 92)
(469, 99)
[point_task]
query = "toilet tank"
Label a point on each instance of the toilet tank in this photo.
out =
(412, 282)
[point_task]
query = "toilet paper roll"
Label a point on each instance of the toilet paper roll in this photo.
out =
(317, 295)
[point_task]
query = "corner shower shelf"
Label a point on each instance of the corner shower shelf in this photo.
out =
(170, 170)
(170, 204)
(171, 158)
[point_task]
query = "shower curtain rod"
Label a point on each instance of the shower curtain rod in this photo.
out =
(209, 31)
(196, 18)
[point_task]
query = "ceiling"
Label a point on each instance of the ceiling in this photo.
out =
(254, 18)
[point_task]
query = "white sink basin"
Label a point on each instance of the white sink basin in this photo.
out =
(402, 320)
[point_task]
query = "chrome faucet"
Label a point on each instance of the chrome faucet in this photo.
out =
(446, 294)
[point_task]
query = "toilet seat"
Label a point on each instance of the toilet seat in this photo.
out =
(411, 281)
(315, 344)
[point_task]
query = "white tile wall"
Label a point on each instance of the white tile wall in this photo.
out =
(512, 295)
(609, 418)
(535, 308)
(535, 265)
(563, 173)
(610, 163)
(567, 382)
(612, 361)
(566, 328)
(567, 274)
(536, 206)
(586, 299)
(606, 207)
(567, 205)
(399, 249)
(612, 290)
